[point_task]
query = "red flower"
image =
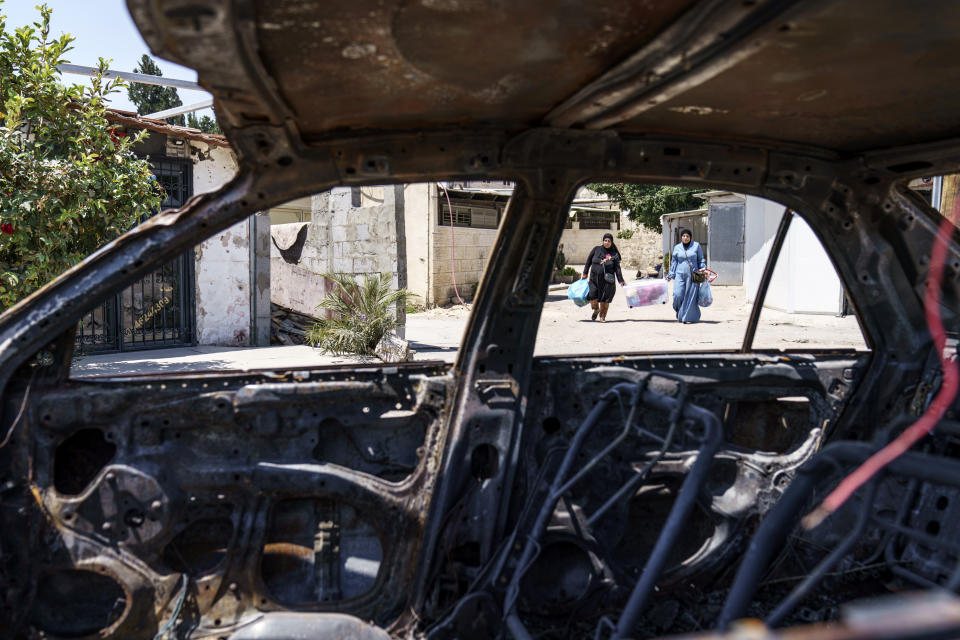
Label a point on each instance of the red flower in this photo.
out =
(7, 228)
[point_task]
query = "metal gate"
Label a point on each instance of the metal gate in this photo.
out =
(157, 311)
(697, 223)
(725, 225)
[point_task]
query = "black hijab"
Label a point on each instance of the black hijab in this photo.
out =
(613, 246)
(689, 233)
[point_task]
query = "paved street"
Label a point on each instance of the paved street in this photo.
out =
(564, 330)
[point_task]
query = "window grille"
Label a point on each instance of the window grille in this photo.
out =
(598, 220)
(469, 216)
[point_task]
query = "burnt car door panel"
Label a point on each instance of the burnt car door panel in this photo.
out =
(310, 492)
(305, 492)
(603, 491)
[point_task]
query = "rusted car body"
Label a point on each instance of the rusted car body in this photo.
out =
(508, 496)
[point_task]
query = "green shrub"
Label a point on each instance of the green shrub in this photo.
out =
(569, 271)
(363, 312)
(626, 234)
(559, 261)
(69, 181)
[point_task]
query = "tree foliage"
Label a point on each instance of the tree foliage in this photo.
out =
(151, 98)
(647, 202)
(69, 181)
(204, 123)
(363, 312)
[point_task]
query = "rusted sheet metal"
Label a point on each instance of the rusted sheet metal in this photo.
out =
(707, 68)
(705, 41)
(850, 76)
(334, 66)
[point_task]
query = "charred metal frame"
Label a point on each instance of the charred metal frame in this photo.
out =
(877, 234)
(774, 529)
(782, 229)
(490, 380)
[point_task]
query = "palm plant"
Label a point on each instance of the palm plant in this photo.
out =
(363, 312)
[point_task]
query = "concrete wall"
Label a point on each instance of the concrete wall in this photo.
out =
(470, 249)
(577, 243)
(420, 215)
(298, 254)
(429, 245)
(260, 279)
(223, 287)
(226, 268)
(363, 239)
(352, 231)
(222, 267)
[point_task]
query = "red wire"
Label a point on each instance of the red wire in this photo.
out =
(941, 402)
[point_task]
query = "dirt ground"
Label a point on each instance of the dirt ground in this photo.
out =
(566, 329)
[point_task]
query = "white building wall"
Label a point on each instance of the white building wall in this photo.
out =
(222, 264)
(804, 279)
(761, 219)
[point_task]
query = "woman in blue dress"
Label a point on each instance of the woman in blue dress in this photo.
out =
(687, 257)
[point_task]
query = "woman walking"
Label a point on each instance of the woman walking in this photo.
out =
(603, 268)
(686, 265)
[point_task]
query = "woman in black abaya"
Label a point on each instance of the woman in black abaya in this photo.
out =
(603, 269)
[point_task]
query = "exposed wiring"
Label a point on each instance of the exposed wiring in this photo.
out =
(23, 406)
(453, 270)
(937, 408)
(176, 609)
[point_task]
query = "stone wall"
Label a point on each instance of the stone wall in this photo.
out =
(642, 250)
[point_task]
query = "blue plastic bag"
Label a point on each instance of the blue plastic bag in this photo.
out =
(578, 292)
(705, 297)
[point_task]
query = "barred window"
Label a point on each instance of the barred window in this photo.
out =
(469, 216)
(597, 219)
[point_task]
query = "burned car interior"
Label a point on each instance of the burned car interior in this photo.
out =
(507, 496)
